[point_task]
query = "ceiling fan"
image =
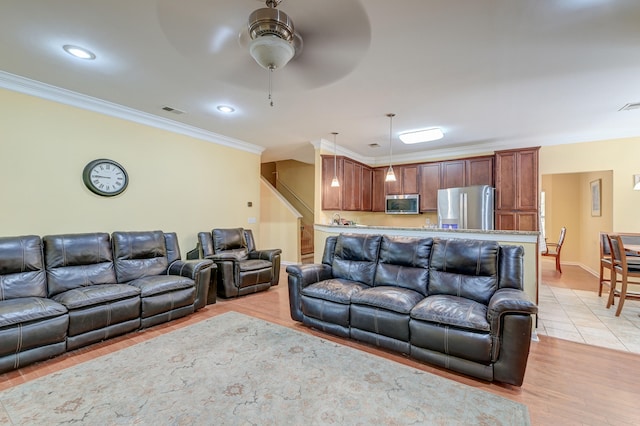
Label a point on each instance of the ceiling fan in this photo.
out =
(222, 39)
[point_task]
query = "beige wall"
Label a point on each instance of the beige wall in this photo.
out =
(615, 163)
(279, 224)
(177, 183)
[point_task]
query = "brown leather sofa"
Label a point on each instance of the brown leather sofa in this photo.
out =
(62, 292)
(457, 304)
(242, 269)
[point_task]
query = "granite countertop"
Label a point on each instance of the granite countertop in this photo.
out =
(425, 229)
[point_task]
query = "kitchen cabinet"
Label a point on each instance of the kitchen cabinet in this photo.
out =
(378, 189)
(516, 176)
(406, 180)
(453, 174)
(479, 171)
(355, 190)
(331, 197)
(366, 192)
(430, 183)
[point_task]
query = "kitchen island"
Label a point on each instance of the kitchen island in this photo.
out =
(527, 239)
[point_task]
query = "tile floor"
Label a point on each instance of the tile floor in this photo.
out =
(582, 316)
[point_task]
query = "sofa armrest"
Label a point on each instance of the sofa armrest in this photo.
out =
(200, 271)
(301, 276)
(508, 301)
(268, 254)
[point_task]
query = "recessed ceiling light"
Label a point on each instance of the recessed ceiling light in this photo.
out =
(226, 109)
(78, 52)
(419, 136)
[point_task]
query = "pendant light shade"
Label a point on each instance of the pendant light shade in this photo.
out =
(391, 176)
(335, 183)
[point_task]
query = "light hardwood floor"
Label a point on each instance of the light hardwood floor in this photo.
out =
(567, 383)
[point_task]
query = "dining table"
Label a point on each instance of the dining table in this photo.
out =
(632, 248)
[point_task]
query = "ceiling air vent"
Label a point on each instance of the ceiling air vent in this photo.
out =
(374, 145)
(172, 110)
(629, 107)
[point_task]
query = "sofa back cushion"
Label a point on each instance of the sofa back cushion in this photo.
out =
(139, 254)
(231, 240)
(465, 268)
(77, 260)
(404, 262)
(355, 257)
(511, 267)
(173, 248)
(21, 268)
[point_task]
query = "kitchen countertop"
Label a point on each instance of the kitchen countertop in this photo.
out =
(496, 235)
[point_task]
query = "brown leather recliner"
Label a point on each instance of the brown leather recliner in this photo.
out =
(242, 269)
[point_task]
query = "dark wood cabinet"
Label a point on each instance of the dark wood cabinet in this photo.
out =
(409, 175)
(430, 183)
(366, 189)
(378, 189)
(351, 185)
(331, 197)
(516, 176)
(479, 171)
(453, 173)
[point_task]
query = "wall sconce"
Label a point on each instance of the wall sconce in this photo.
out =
(636, 182)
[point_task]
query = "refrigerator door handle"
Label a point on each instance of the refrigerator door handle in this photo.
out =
(463, 210)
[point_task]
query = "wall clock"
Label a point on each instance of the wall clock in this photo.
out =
(105, 177)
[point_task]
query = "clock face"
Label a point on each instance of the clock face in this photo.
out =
(105, 177)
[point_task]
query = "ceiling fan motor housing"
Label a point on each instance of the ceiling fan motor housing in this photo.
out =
(272, 22)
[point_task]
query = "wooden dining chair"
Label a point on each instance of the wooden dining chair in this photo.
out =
(625, 270)
(605, 262)
(556, 248)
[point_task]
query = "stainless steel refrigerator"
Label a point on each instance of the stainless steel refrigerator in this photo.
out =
(469, 207)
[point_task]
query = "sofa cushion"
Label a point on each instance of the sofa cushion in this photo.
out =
(404, 262)
(335, 290)
(452, 310)
(465, 268)
(355, 257)
(157, 284)
(228, 239)
(78, 260)
(394, 299)
(98, 294)
(22, 268)
(139, 254)
(27, 309)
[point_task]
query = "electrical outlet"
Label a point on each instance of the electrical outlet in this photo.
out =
(251, 220)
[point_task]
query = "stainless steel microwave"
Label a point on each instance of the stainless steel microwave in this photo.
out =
(402, 204)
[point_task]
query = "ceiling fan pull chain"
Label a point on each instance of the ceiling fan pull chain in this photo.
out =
(270, 85)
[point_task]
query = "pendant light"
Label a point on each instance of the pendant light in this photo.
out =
(335, 183)
(391, 176)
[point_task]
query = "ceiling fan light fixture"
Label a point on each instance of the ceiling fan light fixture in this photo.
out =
(271, 52)
(419, 136)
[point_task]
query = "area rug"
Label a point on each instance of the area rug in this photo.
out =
(237, 370)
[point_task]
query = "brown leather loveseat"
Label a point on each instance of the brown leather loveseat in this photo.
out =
(457, 304)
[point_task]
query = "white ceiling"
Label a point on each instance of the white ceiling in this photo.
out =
(493, 74)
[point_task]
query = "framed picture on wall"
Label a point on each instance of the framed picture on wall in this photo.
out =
(596, 200)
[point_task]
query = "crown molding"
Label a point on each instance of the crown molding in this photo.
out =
(46, 91)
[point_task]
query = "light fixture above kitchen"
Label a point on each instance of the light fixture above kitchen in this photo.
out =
(335, 183)
(419, 136)
(391, 176)
(79, 52)
(225, 108)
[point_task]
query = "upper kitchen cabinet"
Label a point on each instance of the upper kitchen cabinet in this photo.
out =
(331, 196)
(430, 183)
(406, 180)
(378, 189)
(453, 173)
(355, 190)
(479, 171)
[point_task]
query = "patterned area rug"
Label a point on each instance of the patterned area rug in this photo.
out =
(233, 369)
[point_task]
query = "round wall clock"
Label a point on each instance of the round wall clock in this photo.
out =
(105, 177)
